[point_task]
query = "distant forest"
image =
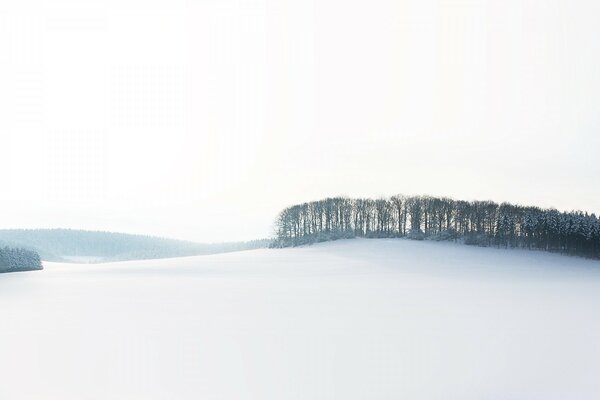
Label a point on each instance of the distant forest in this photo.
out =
(13, 260)
(66, 245)
(482, 223)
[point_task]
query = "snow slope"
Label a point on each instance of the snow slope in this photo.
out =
(356, 319)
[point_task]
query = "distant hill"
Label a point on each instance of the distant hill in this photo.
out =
(66, 245)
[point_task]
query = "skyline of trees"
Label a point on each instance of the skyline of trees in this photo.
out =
(484, 223)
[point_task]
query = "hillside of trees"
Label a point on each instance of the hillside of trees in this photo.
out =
(66, 245)
(483, 223)
(15, 259)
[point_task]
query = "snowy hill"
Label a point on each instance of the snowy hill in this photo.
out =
(68, 245)
(355, 319)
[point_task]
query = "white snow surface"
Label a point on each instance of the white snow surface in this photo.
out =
(353, 319)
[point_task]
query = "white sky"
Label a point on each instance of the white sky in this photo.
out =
(202, 119)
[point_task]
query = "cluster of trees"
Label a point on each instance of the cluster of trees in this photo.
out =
(15, 259)
(440, 218)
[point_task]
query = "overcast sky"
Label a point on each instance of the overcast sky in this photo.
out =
(202, 119)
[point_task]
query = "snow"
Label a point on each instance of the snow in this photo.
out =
(83, 259)
(354, 319)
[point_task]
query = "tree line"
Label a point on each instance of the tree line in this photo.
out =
(16, 259)
(483, 223)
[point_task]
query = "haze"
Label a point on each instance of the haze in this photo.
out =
(200, 120)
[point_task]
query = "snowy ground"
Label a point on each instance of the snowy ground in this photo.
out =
(358, 319)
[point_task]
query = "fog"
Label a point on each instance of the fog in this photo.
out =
(201, 120)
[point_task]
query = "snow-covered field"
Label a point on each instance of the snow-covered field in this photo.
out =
(357, 319)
